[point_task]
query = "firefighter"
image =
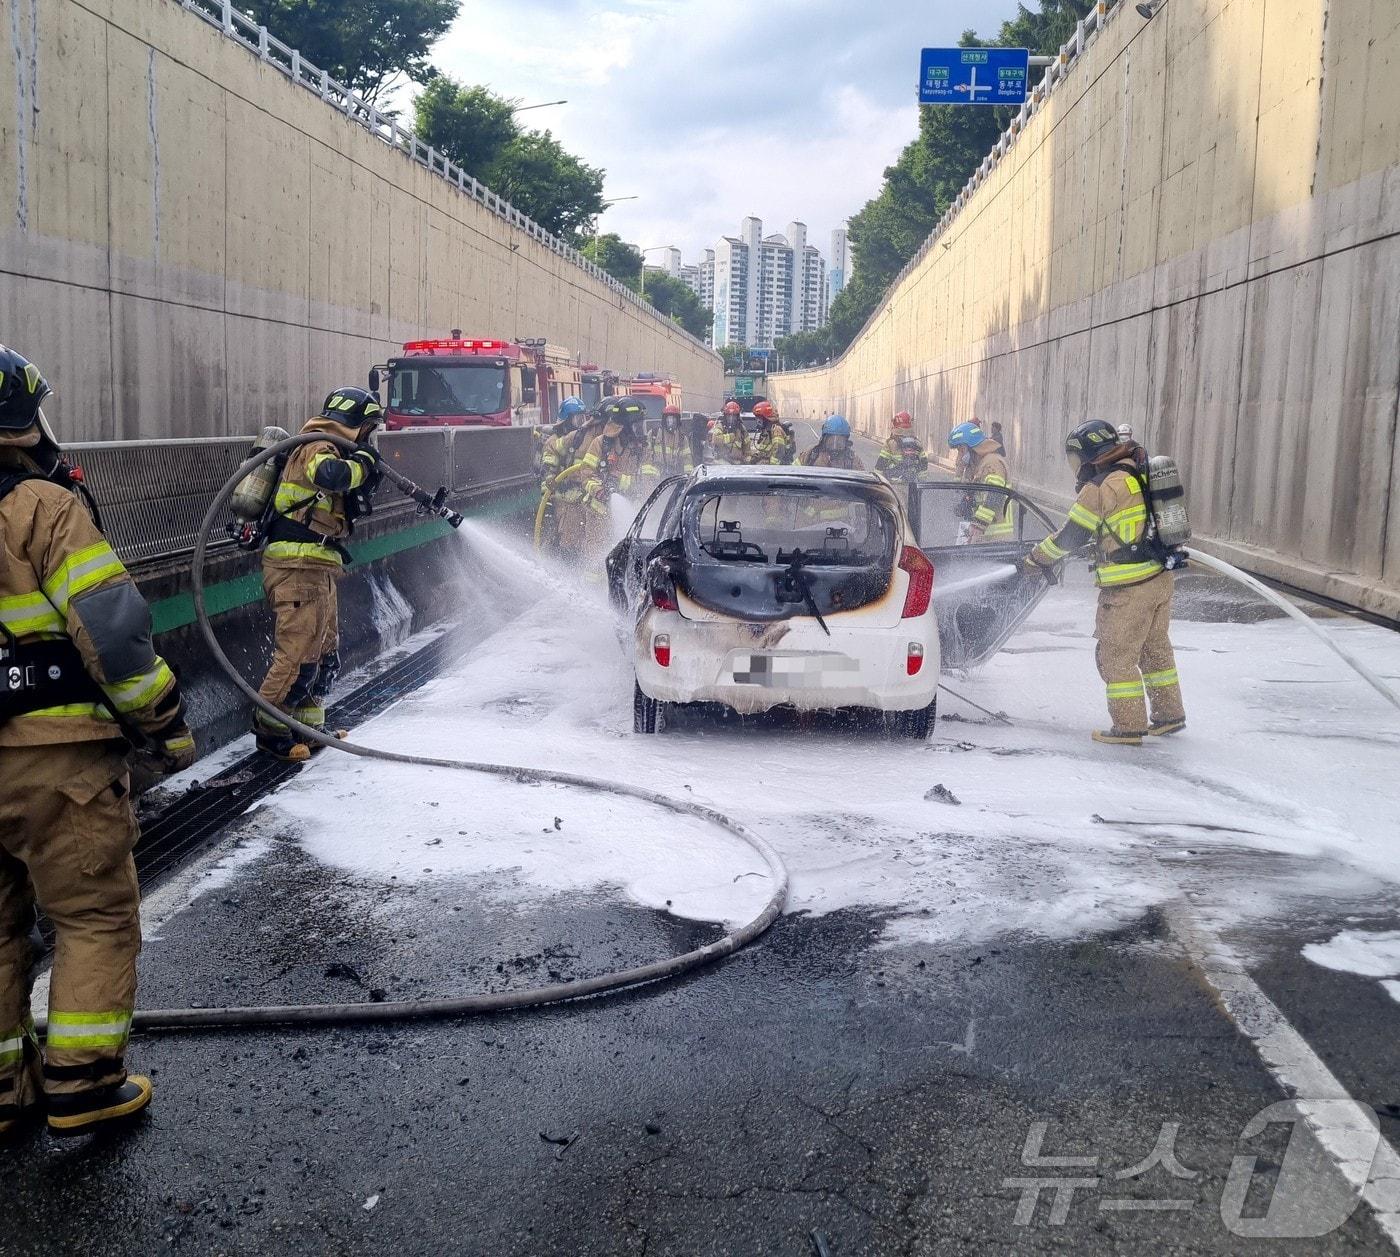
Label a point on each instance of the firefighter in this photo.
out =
(570, 513)
(1134, 654)
(895, 453)
(773, 445)
(77, 626)
(729, 441)
(667, 450)
(555, 454)
(834, 448)
(318, 497)
(613, 461)
(992, 515)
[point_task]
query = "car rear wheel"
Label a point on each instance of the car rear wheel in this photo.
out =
(646, 712)
(916, 724)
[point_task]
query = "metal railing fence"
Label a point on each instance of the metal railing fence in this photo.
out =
(272, 51)
(153, 495)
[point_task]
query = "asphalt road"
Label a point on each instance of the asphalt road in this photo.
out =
(816, 1090)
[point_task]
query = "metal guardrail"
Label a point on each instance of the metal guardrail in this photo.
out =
(153, 495)
(272, 51)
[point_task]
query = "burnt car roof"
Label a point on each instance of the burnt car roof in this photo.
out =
(714, 473)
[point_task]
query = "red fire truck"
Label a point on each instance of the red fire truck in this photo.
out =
(655, 392)
(596, 384)
(494, 383)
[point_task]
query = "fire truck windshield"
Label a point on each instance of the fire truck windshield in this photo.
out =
(590, 391)
(447, 389)
(653, 402)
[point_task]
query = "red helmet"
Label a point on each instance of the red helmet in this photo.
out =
(671, 410)
(731, 408)
(903, 419)
(764, 410)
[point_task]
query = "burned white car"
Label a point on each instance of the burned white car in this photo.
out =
(778, 587)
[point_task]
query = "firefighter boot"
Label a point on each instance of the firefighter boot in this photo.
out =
(1117, 737)
(85, 1111)
(1160, 728)
(279, 742)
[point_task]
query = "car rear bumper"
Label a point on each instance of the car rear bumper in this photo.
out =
(753, 668)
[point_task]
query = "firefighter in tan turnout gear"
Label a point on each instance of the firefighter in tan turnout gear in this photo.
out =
(1135, 656)
(81, 684)
(320, 493)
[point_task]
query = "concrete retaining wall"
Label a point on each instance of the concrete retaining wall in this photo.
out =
(191, 245)
(1199, 233)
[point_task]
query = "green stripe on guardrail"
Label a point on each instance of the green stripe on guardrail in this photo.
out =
(177, 610)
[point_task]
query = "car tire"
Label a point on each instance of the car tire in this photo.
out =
(916, 724)
(646, 712)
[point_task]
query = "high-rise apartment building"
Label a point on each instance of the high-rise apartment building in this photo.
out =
(839, 267)
(762, 287)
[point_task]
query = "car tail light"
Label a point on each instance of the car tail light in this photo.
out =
(920, 571)
(662, 591)
(661, 649)
(914, 659)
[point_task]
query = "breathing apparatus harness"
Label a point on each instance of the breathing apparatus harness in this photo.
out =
(47, 672)
(1151, 546)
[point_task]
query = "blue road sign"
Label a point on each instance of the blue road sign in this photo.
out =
(974, 76)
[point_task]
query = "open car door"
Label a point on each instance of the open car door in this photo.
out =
(625, 560)
(978, 603)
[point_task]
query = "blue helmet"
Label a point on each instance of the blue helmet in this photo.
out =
(570, 407)
(836, 426)
(968, 434)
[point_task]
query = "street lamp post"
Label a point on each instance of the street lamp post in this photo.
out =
(544, 104)
(611, 201)
(649, 249)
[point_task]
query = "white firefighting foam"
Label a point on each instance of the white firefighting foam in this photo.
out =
(1281, 789)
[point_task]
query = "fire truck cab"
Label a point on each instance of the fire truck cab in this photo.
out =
(493, 383)
(596, 385)
(655, 392)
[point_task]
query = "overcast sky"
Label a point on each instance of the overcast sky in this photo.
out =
(709, 110)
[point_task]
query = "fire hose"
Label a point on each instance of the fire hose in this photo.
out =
(485, 1002)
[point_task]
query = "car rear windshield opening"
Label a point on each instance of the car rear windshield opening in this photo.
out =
(766, 528)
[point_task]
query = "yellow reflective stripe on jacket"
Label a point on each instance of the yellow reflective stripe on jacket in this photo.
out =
(88, 1030)
(27, 614)
(1084, 517)
(138, 691)
(292, 497)
(1050, 549)
(1125, 573)
(357, 468)
(88, 711)
(80, 571)
(302, 550)
(1125, 524)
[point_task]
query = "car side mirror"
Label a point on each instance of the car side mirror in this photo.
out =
(374, 380)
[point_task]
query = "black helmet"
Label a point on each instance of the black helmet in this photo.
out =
(1089, 440)
(623, 411)
(22, 391)
(353, 407)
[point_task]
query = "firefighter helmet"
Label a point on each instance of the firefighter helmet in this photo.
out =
(731, 408)
(569, 408)
(22, 391)
(671, 410)
(836, 425)
(1089, 440)
(968, 434)
(352, 407)
(902, 419)
(764, 410)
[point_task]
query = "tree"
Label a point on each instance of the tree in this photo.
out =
(677, 300)
(804, 349)
(621, 260)
(365, 44)
(535, 174)
(928, 175)
(472, 125)
(736, 358)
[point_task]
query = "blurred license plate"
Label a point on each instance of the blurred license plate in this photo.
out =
(794, 671)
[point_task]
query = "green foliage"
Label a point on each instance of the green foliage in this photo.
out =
(736, 358)
(804, 349)
(613, 254)
(535, 174)
(530, 169)
(677, 300)
(931, 171)
(366, 44)
(472, 125)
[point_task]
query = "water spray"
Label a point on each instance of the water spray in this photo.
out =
(402, 1010)
(1249, 582)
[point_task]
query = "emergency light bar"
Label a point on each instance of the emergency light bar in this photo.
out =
(455, 346)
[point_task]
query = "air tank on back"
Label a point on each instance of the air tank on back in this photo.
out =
(255, 490)
(1168, 501)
